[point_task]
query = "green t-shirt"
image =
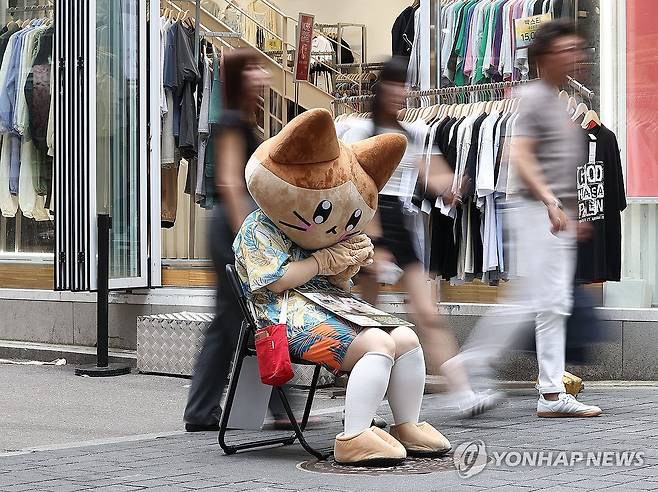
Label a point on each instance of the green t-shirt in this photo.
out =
(462, 42)
(479, 77)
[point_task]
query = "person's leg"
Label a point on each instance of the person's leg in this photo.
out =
(369, 360)
(438, 343)
(407, 381)
(368, 280)
(554, 306)
(213, 362)
(405, 397)
(501, 327)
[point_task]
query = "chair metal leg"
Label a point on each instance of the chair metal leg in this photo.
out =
(242, 351)
(298, 432)
(311, 395)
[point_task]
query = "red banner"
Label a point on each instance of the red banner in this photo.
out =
(642, 103)
(303, 45)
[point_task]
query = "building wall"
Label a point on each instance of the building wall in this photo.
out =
(66, 318)
(377, 15)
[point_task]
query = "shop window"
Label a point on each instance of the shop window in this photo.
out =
(27, 232)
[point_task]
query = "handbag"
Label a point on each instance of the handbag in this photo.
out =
(272, 351)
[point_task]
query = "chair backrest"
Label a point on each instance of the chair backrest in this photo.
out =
(236, 287)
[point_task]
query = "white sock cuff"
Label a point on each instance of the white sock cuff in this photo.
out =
(381, 354)
(413, 351)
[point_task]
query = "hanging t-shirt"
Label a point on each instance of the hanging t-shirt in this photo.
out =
(601, 198)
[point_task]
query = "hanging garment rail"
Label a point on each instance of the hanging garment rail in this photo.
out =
(365, 66)
(439, 92)
(339, 27)
(30, 8)
(584, 91)
(446, 91)
(220, 34)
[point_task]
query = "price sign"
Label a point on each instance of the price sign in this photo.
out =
(303, 45)
(526, 28)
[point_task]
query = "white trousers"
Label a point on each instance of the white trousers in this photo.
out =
(541, 294)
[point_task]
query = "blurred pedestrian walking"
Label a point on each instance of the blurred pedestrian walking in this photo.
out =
(234, 140)
(396, 236)
(542, 218)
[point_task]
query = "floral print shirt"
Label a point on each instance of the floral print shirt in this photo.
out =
(262, 254)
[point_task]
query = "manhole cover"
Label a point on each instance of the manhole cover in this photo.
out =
(411, 466)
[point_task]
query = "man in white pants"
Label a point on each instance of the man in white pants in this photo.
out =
(546, 149)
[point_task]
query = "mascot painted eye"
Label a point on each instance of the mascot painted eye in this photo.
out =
(322, 212)
(354, 220)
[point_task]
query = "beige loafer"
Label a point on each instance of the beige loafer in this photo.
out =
(421, 440)
(366, 449)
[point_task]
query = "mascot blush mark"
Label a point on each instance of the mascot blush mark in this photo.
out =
(317, 189)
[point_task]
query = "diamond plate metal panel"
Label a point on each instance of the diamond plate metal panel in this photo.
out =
(169, 343)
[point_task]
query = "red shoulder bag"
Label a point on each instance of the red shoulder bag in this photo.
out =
(272, 350)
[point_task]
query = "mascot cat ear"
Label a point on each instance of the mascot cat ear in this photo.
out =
(379, 156)
(308, 139)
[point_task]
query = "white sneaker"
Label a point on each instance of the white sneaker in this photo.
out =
(565, 406)
(469, 404)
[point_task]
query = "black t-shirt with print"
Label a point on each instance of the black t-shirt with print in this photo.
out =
(601, 200)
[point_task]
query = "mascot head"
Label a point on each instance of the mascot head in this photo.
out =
(316, 189)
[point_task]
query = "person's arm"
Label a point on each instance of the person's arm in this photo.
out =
(229, 176)
(327, 262)
(528, 170)
(440, 177)
(297, 273)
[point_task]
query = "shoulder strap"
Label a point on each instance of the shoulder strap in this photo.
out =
(283, 317)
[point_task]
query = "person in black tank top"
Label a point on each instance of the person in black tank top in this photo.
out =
(234, 139)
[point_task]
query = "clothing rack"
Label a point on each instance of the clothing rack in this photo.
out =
(30, 8)
(220, 34)
(339, 27)
(366, 66)
(584, 91)
(451, 91)
(445, 91)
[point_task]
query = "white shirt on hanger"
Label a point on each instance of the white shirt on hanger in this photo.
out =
(8, 203)
(447, 38)
(484, 184)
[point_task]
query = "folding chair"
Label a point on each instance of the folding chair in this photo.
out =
(245, 349)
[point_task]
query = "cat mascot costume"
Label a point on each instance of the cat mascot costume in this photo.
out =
(316, 196)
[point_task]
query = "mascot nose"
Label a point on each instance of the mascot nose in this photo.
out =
(332, 230)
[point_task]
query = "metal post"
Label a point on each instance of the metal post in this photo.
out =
(103, 367)
(102, 301)
(296, 99)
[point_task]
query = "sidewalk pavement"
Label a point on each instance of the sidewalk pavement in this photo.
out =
(176, 461)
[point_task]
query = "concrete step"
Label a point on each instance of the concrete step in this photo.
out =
(74, 354)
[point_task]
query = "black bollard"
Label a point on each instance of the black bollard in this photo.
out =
(103, 367)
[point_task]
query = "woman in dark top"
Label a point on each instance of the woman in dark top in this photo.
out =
(235, 139)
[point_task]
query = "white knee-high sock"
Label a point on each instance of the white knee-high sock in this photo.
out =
(406, 386)
(366, 388)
